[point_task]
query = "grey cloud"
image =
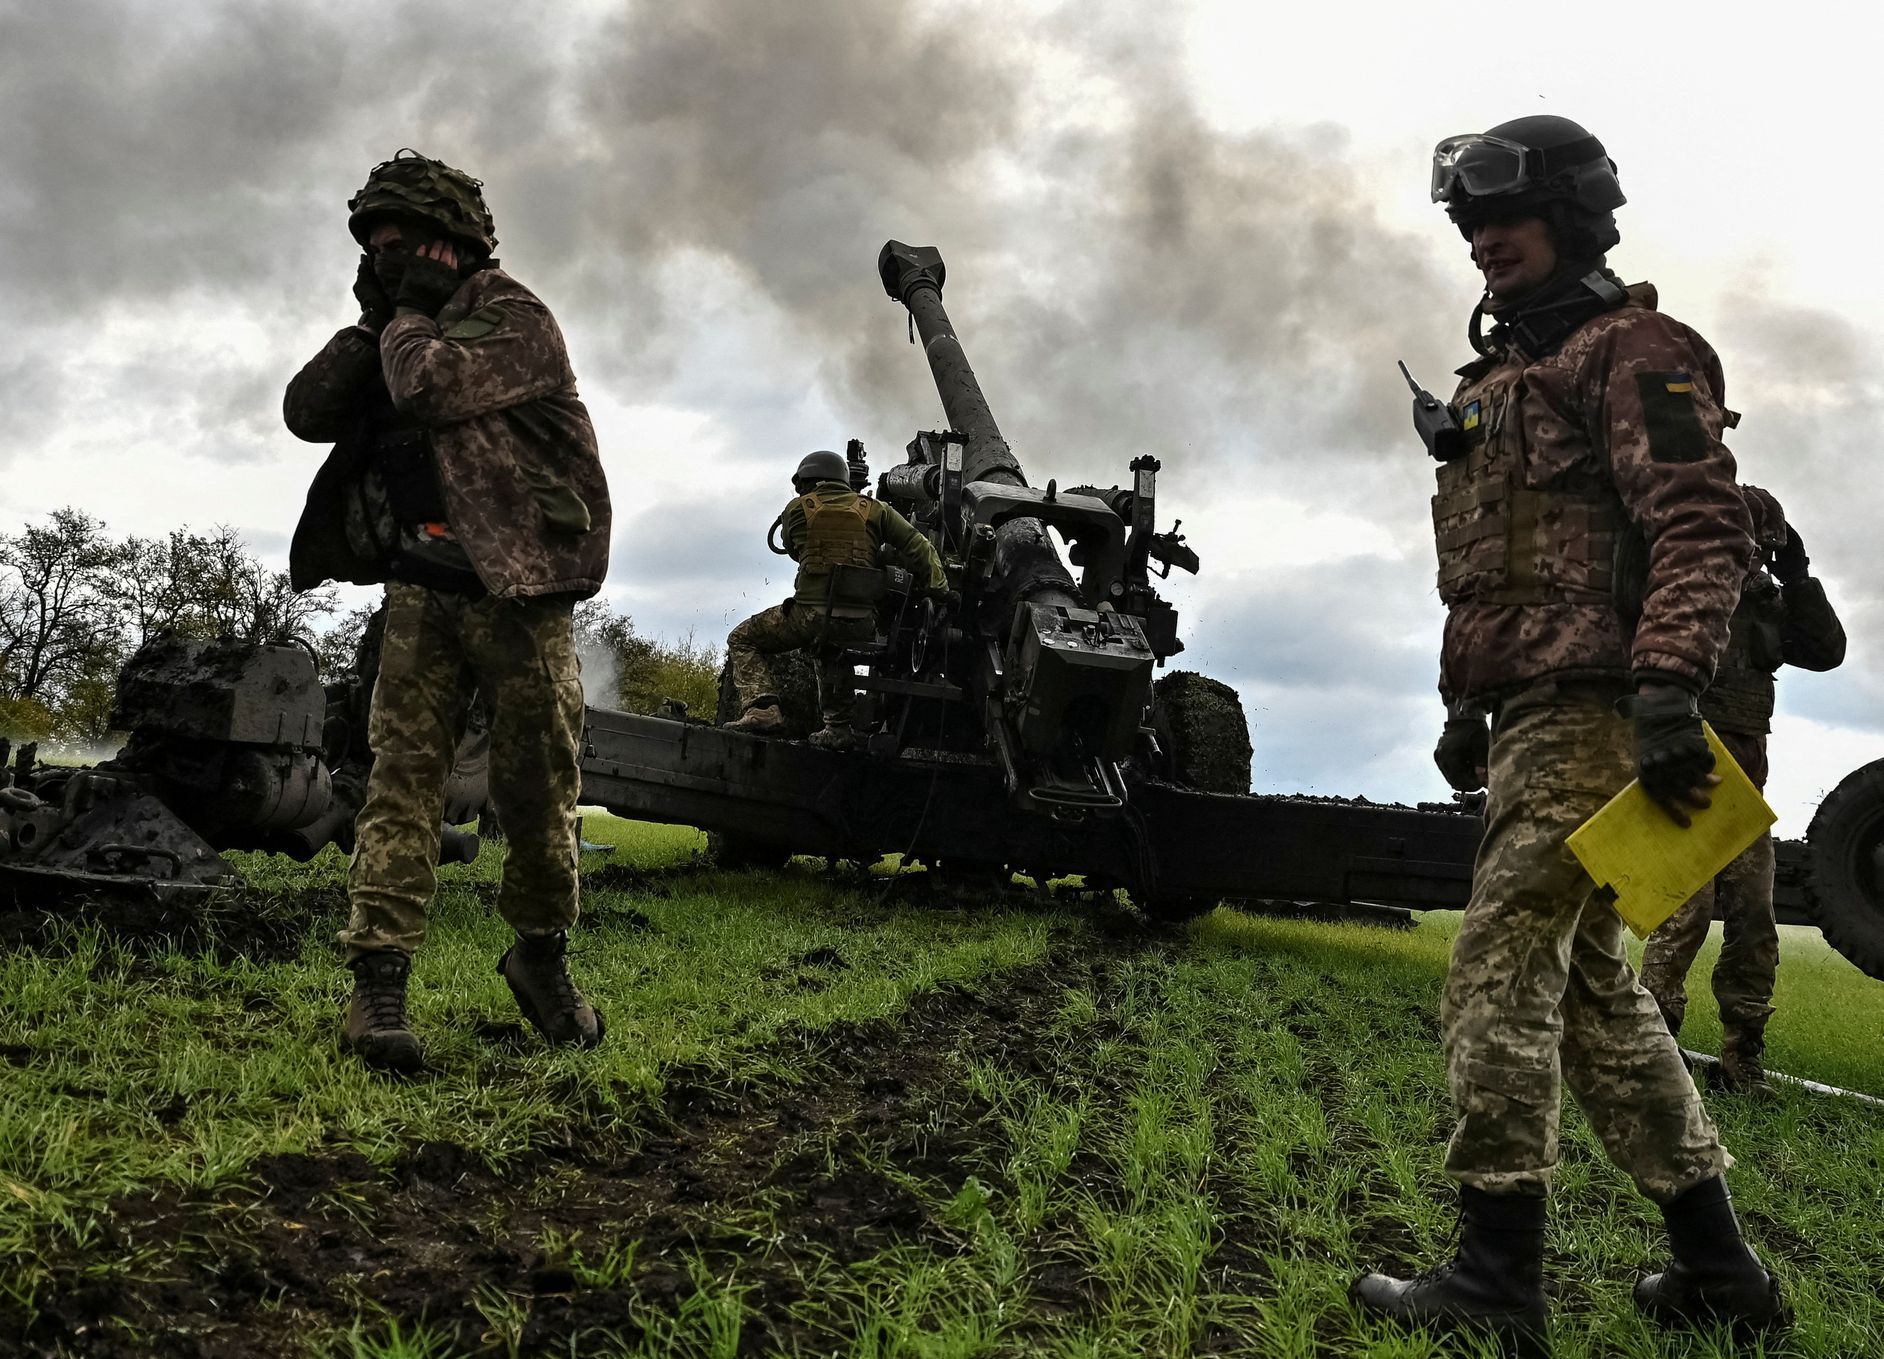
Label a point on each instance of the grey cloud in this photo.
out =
(1366, 626)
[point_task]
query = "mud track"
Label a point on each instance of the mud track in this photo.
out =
(753, 1182)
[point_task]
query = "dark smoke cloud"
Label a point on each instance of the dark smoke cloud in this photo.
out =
(699, 190)
(209, 153)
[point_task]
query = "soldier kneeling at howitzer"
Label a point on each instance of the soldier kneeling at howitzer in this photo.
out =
(465, 476)
(1783, 619)
(826, 526)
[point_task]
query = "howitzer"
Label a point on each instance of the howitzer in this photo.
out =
(232, 745)
(1023, 731)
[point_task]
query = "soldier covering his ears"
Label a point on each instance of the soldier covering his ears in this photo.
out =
(1592, 429)
(464, 474)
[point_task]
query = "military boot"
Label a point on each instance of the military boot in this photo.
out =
(537, 970)
(1494, 1283)
(759, 720)
(1715, 1277)
(1742, 1059)
(835, 736)
(376, 1017)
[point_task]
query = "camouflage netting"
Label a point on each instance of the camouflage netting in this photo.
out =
(412, 185)
(1205, 736)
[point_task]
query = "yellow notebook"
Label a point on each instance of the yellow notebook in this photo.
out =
(1646, 865)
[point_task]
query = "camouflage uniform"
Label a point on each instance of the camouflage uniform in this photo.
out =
(1773, 626)
(856, 528)
(1614, 433)
(486, 389)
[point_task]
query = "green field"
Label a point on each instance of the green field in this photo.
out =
(835, 1114)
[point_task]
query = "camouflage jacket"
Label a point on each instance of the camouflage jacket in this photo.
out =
(490, 386)
(885, 527)
(1614, 439)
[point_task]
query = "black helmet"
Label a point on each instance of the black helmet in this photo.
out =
(1542, 165)
(823, 465)
(414, 186)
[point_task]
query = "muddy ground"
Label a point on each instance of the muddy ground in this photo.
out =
(440, 1238)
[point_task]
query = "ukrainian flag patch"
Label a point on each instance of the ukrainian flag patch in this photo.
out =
(1470, 420)
(1679, 384)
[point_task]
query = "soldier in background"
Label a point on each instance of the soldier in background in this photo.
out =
(464, 474)
(826, 525)
(1783, 619)
(1587, 417)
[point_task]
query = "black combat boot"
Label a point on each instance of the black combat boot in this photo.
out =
(1715, 1276)
(376, 1017)
(1495, 1283)
(537, 969)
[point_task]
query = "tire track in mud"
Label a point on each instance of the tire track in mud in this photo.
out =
(762, 1182)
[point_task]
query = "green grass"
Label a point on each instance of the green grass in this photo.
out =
(141, 1067)
(1158, 1145)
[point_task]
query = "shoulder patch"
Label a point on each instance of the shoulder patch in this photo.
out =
(1670, 419)
(477, 325)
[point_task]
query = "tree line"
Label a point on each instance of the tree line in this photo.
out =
(76, 602)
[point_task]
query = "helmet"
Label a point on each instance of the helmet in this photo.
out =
(411, 185)
(1542, 166)
(1770, 530)
(823, 465)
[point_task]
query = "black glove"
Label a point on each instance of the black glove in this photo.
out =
(945, 598)
(427, 284)
(1790, 562)
(1463, 752)
(376, 304)
(1671, 755)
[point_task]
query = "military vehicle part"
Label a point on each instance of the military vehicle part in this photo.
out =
(232, 746)
(1846, 872)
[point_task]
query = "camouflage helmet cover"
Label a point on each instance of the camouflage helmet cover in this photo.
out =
(1770, 529)
(413, 185)
(822, 465)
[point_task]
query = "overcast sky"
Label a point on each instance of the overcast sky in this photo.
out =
(1200, 231)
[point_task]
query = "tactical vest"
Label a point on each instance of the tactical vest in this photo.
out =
(837, 533)
(1504, 541)
(1741, 697)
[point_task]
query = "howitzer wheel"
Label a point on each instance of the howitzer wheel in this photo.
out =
(1846, 867)
(1202, 733)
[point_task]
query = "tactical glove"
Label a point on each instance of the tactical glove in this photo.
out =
(1790, 562)
(427, 284)
(376, 304)
(945, 598)
(1463, 752)
(1671, 755)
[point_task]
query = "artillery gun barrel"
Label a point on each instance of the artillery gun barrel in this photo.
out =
(913, 275)
(1026, 564)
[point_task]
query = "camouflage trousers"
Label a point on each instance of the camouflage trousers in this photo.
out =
(796, 627)
(1749, 951)
(1540, 993)
(438, 647)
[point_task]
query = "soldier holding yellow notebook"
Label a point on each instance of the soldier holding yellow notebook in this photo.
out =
(1783, 619)
(1591, 546)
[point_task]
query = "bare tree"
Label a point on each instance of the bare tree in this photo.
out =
(57, 624)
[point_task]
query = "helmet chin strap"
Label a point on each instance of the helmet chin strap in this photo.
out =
(1542, 319)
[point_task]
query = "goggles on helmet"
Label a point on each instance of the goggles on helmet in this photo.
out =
(1480, 166)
